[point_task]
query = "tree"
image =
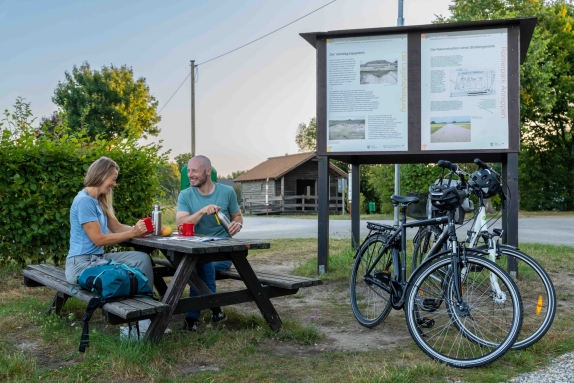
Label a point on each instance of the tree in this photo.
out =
(108, 103)
(169, 177)
(182, 159)
(306, 136)
(546, 162)
(235, 174)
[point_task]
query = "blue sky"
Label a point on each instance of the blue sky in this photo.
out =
(248, 103)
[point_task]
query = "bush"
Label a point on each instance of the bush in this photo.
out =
(41, 174)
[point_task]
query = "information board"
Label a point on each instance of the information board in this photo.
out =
(367, 94)
(464, 90)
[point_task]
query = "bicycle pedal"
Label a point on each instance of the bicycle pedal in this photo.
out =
(426, 322)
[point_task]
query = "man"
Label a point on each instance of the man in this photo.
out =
(198, 204)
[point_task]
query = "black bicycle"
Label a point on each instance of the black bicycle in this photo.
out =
(461, 308)
(535, 286)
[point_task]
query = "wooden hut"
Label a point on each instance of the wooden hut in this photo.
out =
(290, 183)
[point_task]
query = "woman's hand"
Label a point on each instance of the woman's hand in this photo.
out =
(139, 229)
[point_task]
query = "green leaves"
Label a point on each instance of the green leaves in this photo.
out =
(108, 103)
(42, 173)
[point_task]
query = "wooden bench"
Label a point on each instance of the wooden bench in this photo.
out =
(289, 283)
(127, 310)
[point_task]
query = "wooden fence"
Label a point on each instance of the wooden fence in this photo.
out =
(293, 204)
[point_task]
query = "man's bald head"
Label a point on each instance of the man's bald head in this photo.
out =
(202, 161)
(199, 171)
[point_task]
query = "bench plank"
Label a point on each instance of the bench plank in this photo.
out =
(284, 281)
(130, 308)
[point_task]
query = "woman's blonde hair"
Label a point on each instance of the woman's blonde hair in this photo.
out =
(95, 177)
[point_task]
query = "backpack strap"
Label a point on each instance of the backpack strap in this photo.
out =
(133, 270)
(93, 304)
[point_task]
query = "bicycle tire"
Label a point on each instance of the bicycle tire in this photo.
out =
(471, 338)
(537, 292)
(370, 303)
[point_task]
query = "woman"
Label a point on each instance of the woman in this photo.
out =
(94, 225)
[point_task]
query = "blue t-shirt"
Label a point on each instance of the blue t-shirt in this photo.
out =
(191, 200)
(85, 209)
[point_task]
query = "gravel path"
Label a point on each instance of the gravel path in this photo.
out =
(561, 370)
(451, 133)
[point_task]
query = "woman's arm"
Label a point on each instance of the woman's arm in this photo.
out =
(116, 227)
(94, 231)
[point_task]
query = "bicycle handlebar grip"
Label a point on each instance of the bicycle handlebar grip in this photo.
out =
(481, 164)
(447, 165)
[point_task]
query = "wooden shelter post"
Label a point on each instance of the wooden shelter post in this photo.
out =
(323, 219)
(356, 206)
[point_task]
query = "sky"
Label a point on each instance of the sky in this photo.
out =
(248, 103)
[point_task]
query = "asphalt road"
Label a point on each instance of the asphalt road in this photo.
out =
(559, 231)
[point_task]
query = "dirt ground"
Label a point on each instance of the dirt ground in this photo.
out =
(328, 308)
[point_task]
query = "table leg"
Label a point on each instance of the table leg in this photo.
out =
(160, 322)
(252, 283)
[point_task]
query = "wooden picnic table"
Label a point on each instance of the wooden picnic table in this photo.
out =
(183, 256)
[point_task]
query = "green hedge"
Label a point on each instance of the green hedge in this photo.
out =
(41, 175)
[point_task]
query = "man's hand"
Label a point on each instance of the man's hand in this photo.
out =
(234, 228)
(210, 209)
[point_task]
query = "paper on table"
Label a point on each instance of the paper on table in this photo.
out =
(192, 238)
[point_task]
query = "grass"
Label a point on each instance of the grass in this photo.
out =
(38, 347)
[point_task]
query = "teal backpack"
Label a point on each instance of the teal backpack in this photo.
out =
(112, 282)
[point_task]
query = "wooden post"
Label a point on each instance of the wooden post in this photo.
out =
(510, 220)
(323, 218)
(356, 206)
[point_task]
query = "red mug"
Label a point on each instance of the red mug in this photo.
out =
(186, 229)
(148, 224)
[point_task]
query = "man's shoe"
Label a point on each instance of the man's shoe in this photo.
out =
(218, 316)
(190, 324)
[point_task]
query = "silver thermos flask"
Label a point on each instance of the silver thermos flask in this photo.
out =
(156, 219)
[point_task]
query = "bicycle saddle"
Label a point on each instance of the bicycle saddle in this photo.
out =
(404, 200)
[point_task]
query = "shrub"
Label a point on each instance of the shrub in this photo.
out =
(41, 174)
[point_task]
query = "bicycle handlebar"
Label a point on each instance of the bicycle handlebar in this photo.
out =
(453, 168)
(448, 165)
(482, 165)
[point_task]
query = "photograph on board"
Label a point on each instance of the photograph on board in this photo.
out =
(450, 129)
(352, 128)
(379, 72)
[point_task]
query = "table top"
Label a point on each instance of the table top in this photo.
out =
(191, 247)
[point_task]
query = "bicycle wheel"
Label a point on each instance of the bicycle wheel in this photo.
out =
(471, 334)
(423, 242)
(371, 293)
(537, 292)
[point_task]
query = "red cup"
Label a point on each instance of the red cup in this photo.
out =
(148, 224)
(186, 229)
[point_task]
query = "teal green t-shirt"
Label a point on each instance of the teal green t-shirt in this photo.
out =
(191, 200)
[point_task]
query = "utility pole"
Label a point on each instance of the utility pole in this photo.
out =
(192, 108)
(400, 23)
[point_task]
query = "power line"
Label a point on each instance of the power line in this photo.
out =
(244, 45)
